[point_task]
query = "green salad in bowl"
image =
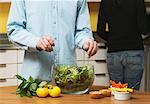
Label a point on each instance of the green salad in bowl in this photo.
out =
(74, 79)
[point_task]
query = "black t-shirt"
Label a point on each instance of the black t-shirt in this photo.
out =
(126, 22)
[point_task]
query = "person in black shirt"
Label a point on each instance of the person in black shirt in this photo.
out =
(121, 23)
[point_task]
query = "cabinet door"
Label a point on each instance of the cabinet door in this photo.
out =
(101, 80)
(8, 70)
(8, 82)
(19, 69)
(19, 73)
(20, 56)
(79, 54)
(100, 55)
(99, 66)
(81, 63)
(8, 56)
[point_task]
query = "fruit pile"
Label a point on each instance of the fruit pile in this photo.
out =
(33, 87)
(120, 87)
(46, 89)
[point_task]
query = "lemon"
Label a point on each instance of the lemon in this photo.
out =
(55, 91)
(42, 92)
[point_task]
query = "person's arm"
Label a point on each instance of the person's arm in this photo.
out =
(101, 26)
(83, 28)
(83, 36)
(142, 18)
(16, 27)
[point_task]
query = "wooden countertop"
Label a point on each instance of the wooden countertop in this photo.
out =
(8, 96)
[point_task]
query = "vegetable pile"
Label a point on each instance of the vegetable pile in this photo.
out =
(72, 78)
(27, 87)
(33, 87)
(118, 85)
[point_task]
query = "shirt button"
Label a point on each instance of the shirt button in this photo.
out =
(55, 22)
(54, 6)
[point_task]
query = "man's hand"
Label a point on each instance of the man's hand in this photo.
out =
(90, 47)
(45, 43)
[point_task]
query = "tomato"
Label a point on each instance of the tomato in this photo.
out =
(55, 91)
(42, 92)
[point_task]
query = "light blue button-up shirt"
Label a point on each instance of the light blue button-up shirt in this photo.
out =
(66, 21)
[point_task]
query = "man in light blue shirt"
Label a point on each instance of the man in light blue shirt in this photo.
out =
(54, 26)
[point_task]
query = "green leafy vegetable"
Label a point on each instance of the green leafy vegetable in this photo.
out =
(27, 87)
(42, 84)
(72, 78)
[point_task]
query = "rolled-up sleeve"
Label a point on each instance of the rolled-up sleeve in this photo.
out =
(16, 26)
(83, 28)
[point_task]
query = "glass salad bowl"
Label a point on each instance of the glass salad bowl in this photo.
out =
(74, 79)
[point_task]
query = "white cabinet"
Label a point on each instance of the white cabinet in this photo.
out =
(10, 65)
(8, 82)
(99, 62)
(8, 56)
(20, 56)
(100, 55)
(19, 68)
(99, 66)
(101, 79)
(8, 70)
(79, 54)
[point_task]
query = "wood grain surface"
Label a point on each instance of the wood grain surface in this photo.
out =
(8, 96)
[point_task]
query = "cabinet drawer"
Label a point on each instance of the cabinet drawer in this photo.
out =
(19, 72)
(20, 56)
(81, 63)
(8, 70)
(101, 80)
(79, 54)
(99, 66)
(19, 69)
(8, 56)
(100, 55)
(8, 82)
